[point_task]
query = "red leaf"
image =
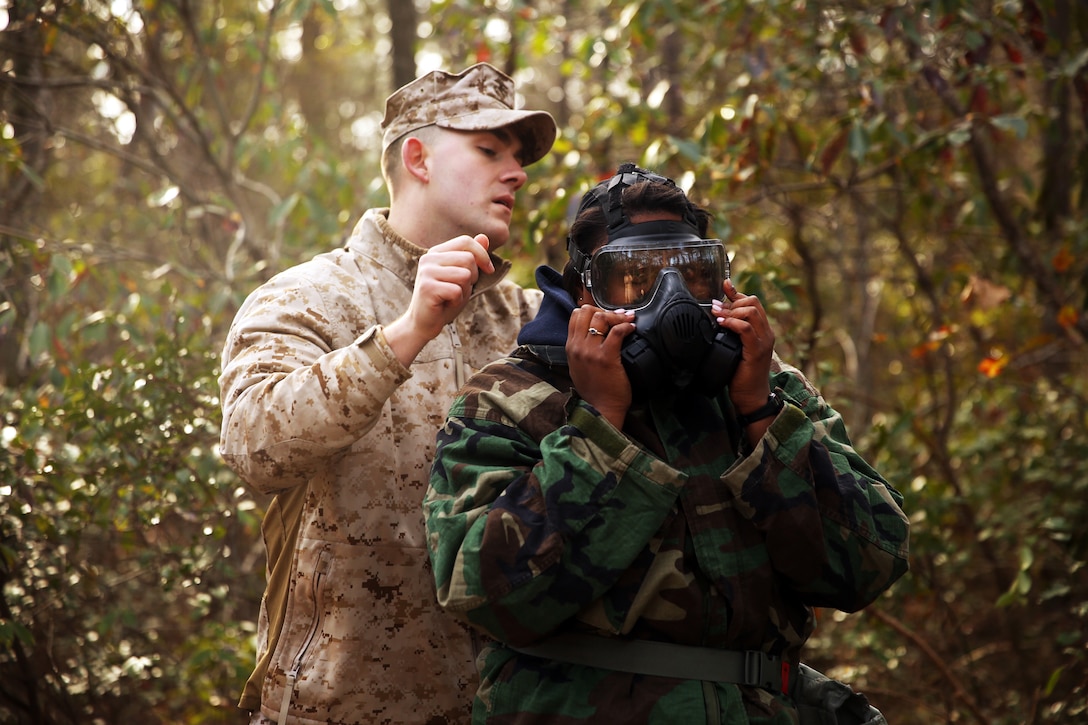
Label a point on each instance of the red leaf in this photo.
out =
(1063, 260)
(991, 367)
(1067, 316)
(1013, 53)
(857, 41)
(980, 100)
(832, 151)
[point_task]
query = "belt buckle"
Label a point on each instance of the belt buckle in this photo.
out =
(759, 670)
(753, 668)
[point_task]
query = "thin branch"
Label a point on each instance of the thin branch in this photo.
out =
(958, 690)
(265, 53)
(999, 207)
(856, 179)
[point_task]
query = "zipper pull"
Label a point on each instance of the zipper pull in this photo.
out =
(458, 357)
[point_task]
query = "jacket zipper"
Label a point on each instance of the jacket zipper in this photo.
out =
(458, 358)
(710, 690)
(320, 571)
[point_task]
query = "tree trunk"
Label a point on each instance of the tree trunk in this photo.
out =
(23, 96)
(402, 15)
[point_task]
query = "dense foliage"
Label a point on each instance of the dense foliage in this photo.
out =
(902, 182)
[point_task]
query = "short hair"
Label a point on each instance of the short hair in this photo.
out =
(589, 230)
(391, 164)
(391, 157)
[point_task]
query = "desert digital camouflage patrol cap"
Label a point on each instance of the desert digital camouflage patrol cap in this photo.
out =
(479, 98)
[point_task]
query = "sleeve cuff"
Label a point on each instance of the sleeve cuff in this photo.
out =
(381, 355)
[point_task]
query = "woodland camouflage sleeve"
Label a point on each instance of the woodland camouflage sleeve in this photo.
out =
(527, 528)
(833, 526)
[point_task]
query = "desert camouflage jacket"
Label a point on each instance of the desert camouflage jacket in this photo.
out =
(318, 411)
(543, 518)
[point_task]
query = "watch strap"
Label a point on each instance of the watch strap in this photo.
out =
(773, 406)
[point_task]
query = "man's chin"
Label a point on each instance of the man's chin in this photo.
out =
(497, 236)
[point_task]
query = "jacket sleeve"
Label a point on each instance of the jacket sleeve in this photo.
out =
(523, 532)
(294, 392)
(833, 527)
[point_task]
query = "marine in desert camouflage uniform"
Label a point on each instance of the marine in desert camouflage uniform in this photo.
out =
(336, 374)
(563, 512)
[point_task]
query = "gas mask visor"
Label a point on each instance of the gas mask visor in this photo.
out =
(626, 273)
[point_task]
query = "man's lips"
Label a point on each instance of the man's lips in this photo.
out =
(507, 201)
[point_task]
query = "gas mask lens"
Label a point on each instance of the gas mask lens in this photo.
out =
(624, 275)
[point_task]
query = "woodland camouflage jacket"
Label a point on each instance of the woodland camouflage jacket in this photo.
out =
(318, 411)
(544, 518)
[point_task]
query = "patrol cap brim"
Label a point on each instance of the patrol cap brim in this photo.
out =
(535, 129)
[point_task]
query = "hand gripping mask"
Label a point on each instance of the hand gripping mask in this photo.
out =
(668, 275)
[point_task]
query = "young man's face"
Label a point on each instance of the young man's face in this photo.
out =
(473, 179)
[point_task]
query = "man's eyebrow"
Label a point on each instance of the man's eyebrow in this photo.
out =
(503, 134)
(510, 139)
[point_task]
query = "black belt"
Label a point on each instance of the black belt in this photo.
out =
(664, 659)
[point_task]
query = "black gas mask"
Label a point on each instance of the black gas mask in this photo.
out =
(668, 275)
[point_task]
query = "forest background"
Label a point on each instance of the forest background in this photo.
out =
(903, 183)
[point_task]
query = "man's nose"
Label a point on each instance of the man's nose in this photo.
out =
(515, 175)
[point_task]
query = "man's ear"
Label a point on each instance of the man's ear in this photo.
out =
(415, 156)
(578, 294)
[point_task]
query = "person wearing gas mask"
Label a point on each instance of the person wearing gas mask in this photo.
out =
(641, 506)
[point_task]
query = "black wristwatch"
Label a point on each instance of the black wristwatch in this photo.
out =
(773, 406)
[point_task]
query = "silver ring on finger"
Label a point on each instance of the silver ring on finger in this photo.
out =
(596, 333)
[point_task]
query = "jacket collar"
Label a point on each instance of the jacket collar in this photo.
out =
(546, 335)
(374, 239)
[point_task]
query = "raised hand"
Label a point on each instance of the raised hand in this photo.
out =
(594, 339)
(444, 280)
(744, 315)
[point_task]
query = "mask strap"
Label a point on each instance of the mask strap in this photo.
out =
(627, 175)
(609, 194)
(577, 258)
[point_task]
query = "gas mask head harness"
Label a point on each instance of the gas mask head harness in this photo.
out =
(668, 275)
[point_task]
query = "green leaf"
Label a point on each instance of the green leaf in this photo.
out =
(1052, 681)
(281, 211)
(163, 196)
(1014, 123)
(7, 316)
(60, 275)
(858, 143)
(11, 631)
(959, 136)
(688, 149)
(40, 338)
(1073, 67)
